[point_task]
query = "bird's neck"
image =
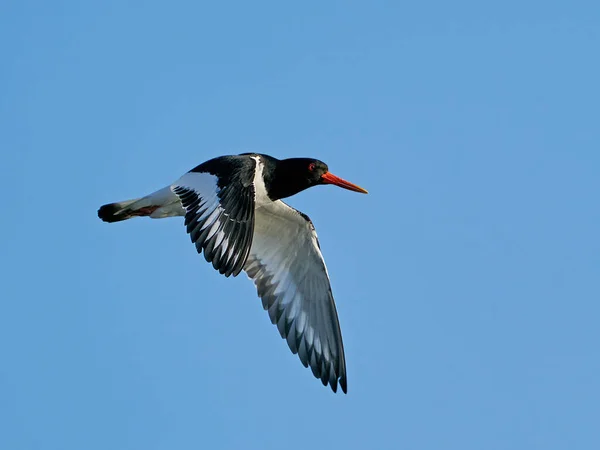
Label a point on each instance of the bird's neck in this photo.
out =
(281, 179)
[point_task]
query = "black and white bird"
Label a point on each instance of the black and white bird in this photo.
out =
(235, 217)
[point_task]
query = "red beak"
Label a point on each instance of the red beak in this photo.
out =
(329, 178)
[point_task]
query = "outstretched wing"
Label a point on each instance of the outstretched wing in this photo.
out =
(219, 212)
(287, 267)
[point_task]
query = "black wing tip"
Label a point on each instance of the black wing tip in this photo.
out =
(343, 385)
(333, 384)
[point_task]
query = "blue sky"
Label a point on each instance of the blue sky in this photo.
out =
(466, 281)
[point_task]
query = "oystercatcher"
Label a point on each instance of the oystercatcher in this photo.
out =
(235, 217)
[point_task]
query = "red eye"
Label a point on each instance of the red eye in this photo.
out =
(311, 166)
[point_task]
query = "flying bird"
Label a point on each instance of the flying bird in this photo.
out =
(235, 217)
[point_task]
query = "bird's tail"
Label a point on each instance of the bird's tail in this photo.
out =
(115, 212)
(162, 203)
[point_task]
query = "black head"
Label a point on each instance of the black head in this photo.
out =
(297, 174)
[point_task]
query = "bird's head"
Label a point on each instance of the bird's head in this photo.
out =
(298, 174)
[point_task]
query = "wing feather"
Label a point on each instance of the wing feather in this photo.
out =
(287, 267)
(219, 219)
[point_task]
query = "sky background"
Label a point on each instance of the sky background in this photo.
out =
(467, 281)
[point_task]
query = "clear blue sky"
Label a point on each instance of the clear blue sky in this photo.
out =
(467, 281)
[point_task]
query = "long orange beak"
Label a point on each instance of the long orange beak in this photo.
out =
(329, 178)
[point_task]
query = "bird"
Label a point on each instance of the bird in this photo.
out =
(234, 214)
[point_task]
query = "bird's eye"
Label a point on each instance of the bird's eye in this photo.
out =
(311, 167)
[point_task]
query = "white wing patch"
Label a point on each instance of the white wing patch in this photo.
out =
(201, 182)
